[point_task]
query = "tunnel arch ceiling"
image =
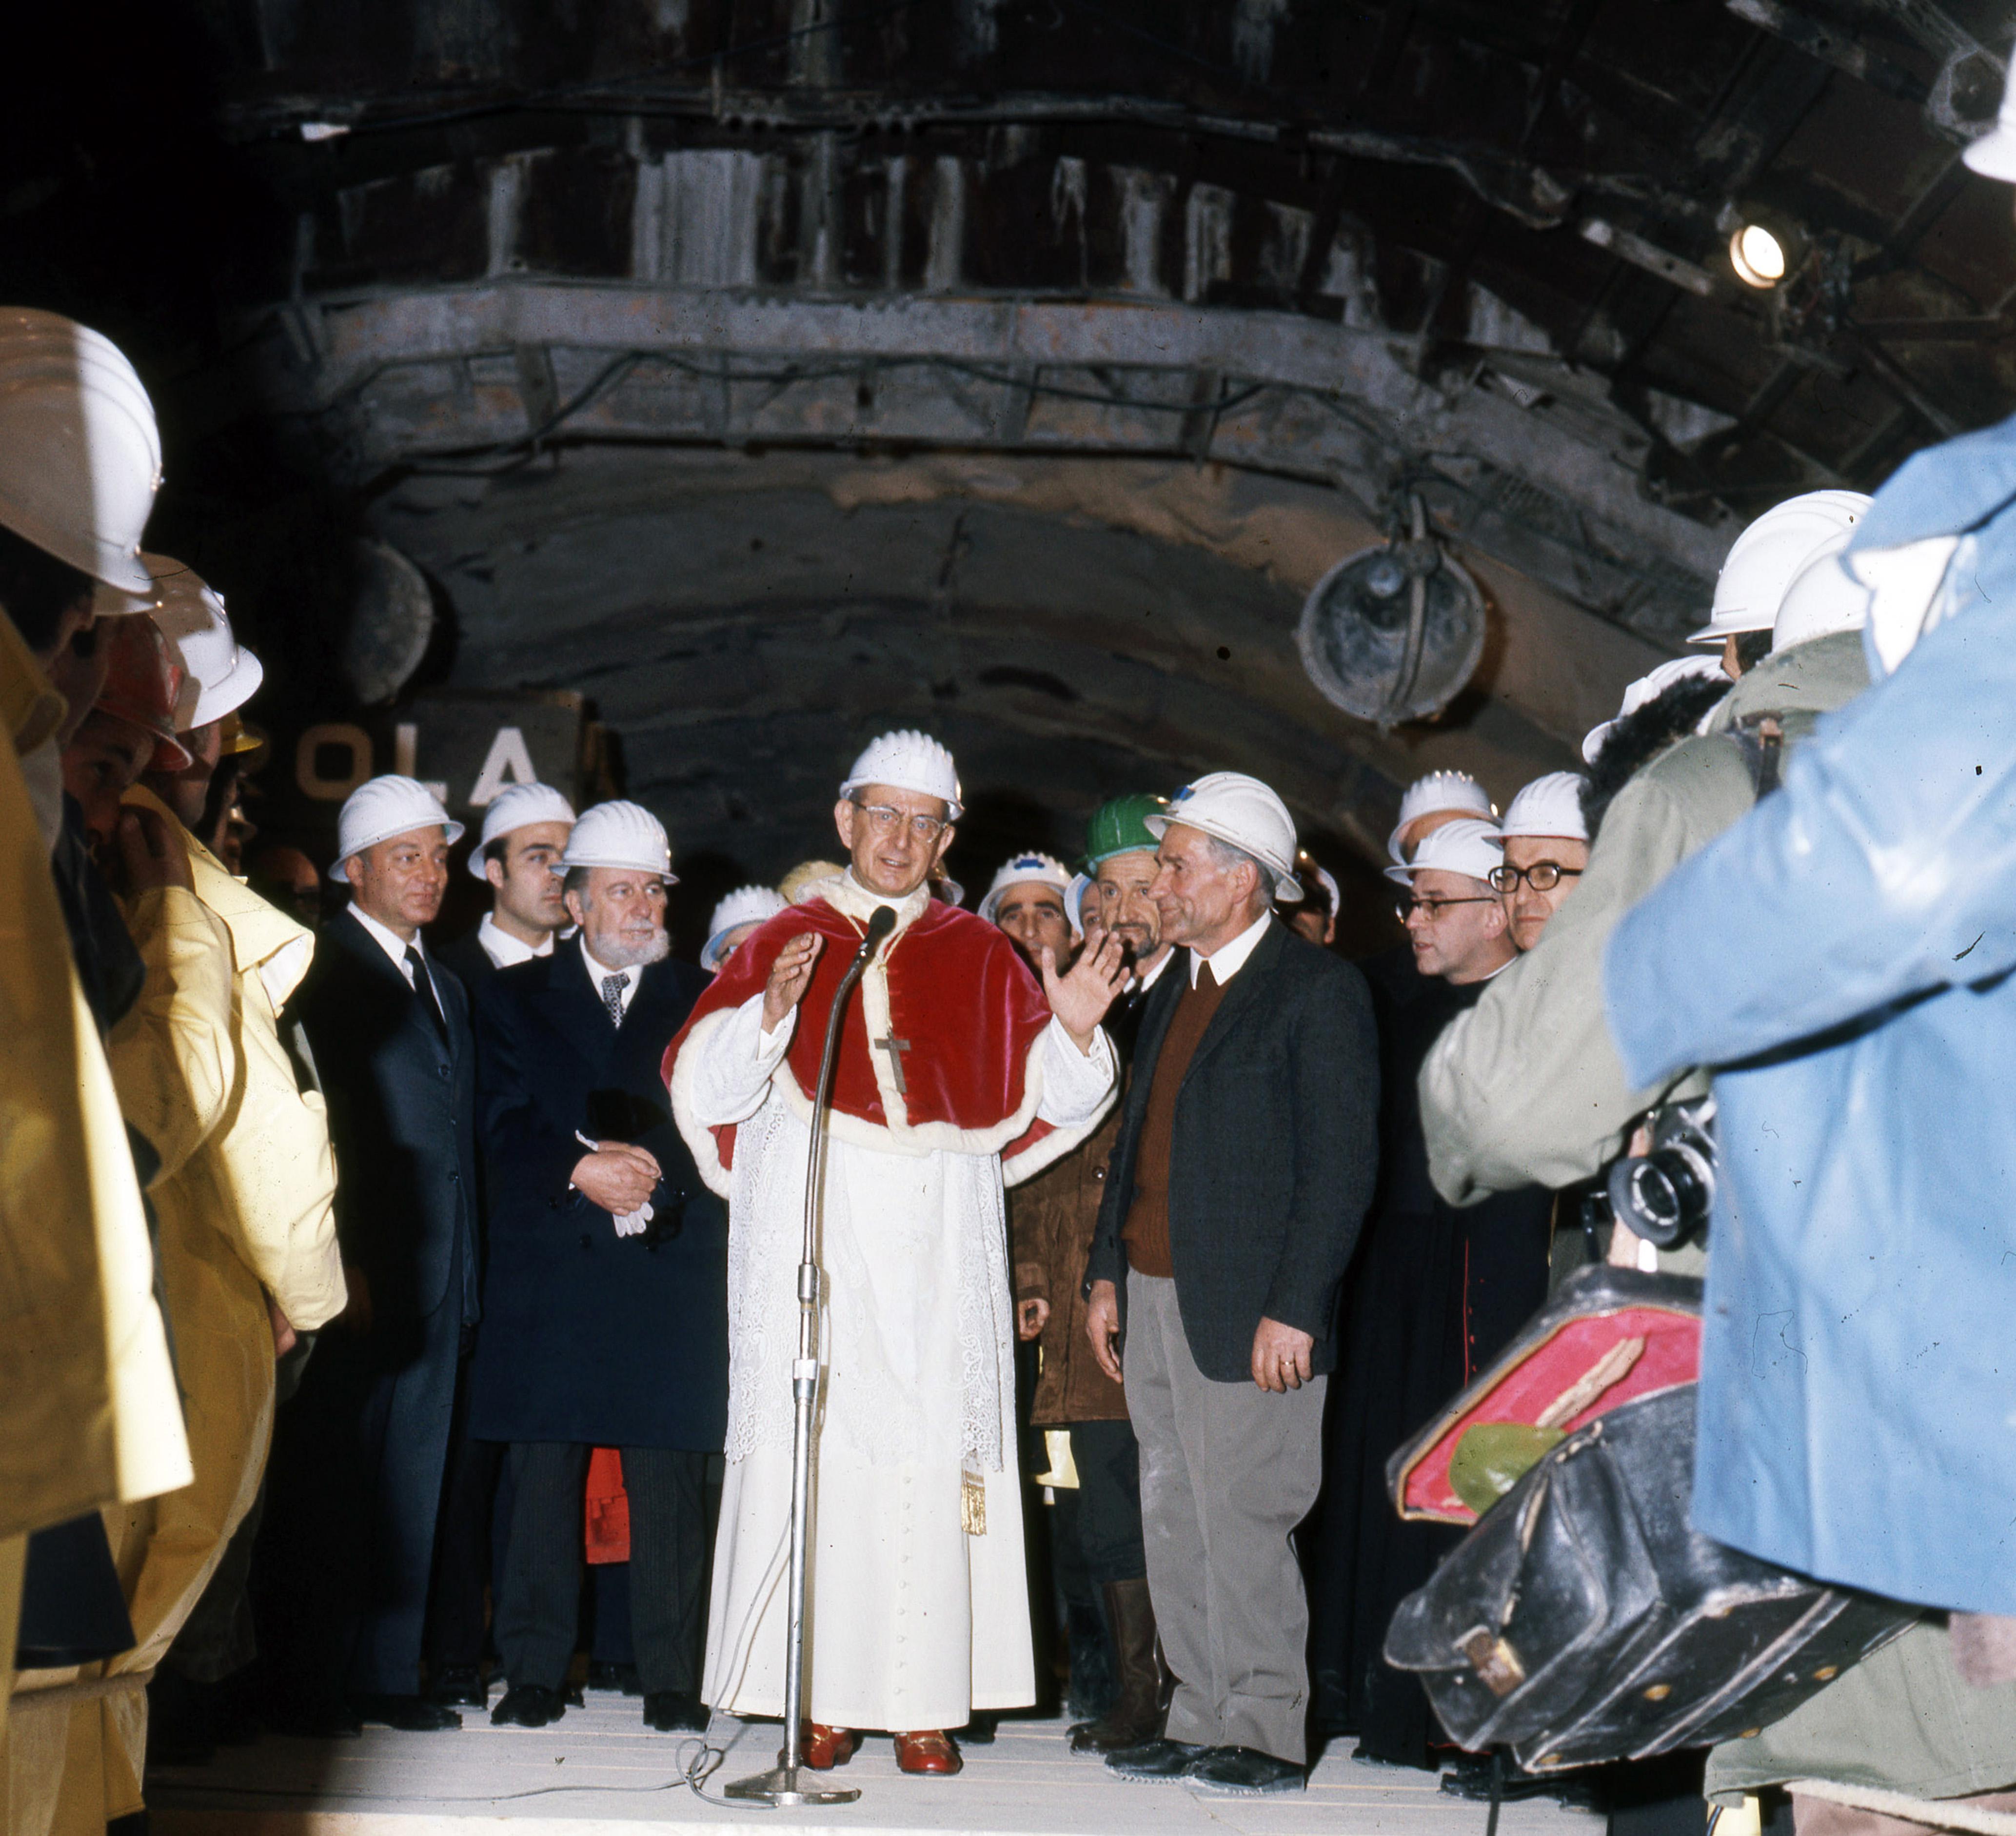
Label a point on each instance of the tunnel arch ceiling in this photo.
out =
(1285, 250)
(1073, 627)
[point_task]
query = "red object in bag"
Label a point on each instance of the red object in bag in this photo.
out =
(1609, 1337)
(608, 1508)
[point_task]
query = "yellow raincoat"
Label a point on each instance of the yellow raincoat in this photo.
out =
(88, 1412)
(245, 1200)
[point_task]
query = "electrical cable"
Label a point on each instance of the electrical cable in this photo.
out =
(693, 1774)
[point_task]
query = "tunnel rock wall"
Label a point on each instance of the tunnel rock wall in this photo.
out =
(742, 625)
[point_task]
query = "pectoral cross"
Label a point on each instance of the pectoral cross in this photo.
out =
(896, 1048)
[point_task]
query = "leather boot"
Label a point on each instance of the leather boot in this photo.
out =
(1136, 1713)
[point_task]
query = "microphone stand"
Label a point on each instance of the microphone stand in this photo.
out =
(782, 1786)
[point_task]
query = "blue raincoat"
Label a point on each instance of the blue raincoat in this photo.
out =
(1844, 955)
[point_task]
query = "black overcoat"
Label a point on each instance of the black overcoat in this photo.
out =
(588, 1336)
(1275, 1151)
(359, 1455)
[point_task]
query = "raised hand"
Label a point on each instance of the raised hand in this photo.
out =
(1081, 998)
(790, 975)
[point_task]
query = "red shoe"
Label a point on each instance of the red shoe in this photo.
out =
(823, 1747)
(931, 1753)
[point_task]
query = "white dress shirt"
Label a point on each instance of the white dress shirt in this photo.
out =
(1228, 959)
(504, 950)
(390, 942)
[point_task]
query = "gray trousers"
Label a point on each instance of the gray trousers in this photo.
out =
(1228, 1471)
(538, 1604)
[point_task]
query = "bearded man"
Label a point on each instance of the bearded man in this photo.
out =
(605, 1307)
(955, 1070)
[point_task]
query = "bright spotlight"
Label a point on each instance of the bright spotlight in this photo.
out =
(1758, 256)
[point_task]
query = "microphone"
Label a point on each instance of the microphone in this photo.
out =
(880, 925)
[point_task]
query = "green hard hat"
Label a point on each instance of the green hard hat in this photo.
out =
(1120, 827)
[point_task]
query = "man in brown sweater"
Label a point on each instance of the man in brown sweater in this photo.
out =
(1051, 1219)
(1240, 1175)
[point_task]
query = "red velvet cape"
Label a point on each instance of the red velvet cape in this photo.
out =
(959, 993)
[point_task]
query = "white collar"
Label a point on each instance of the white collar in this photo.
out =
(1228, 959)
(389, 941)
(505, 951)
(598, 970)
(1143, 984)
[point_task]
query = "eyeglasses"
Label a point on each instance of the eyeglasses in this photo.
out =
(1432, 909)
(1543, 876)
(886, 820)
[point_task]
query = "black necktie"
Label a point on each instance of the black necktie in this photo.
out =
(612, 996)
(423, 986)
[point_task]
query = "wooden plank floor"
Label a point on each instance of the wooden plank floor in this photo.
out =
(599, 1773)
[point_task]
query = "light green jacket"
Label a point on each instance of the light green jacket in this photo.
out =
(1525, 1088)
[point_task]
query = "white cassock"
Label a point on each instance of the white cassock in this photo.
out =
(915, 1620)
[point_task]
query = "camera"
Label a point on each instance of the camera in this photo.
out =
(1665, 1194)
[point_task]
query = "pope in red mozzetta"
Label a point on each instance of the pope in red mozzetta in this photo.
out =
(956, 1072)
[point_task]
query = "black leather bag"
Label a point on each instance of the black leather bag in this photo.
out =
(1582, 1620)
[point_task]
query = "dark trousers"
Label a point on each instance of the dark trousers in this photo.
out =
(353, 1488)
(456, 1621)
(1108, 1460)
(538, 1606)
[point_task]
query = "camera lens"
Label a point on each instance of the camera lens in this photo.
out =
(1664, 1197)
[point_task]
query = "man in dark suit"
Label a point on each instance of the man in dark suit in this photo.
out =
(355, 1479)
(606, 1298)
(525, 831)
(518, 856)
(1244, 1167)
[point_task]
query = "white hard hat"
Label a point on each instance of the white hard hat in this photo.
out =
(226, 674)
(1242, 811)
(1993, 156)
(1080, 883)
(1825, 598)
(381, 809)
(1467, 846)
(1770, 553)
(1649, 688)
(1551, 805)
(909, 761)
(80, 453)
(1039, 868)
(517, 806)
(620, 834)
(1436, 792)
(746, 904)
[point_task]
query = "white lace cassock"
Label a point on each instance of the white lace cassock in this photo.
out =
(914, 1622)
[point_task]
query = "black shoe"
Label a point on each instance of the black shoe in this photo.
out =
(460, 1686)
(1246, 1771)
(1155, 1759)
(673, 1711)
(615, 1677)
(1470, 1780)
(528, 1705)
(981, 1730)
(573, 1695)
(410, 1715)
